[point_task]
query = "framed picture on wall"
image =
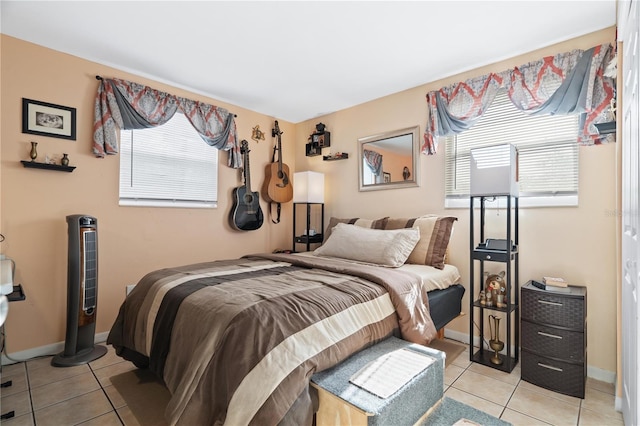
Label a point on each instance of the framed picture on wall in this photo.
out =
(44, 119)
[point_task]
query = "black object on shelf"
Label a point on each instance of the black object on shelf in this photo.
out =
(606, 128)
(17, 294)
(312, 239)
(495, 250)
(57, 167)
(538, 284)
(341, 156)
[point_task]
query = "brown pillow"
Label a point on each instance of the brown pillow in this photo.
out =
(435, 233)
(365, 223)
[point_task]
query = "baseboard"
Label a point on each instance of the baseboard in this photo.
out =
(600, 374)
(618, 404)
(47, 350)
(593, 372)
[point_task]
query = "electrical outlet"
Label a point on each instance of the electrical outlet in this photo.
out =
(130, 288)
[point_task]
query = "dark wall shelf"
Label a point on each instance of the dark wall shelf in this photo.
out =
(57, 167)
(343, 156)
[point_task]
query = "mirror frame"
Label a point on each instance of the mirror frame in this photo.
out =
(415, 176)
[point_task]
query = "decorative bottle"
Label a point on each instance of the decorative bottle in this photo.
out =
(64, 160)
(34, 151)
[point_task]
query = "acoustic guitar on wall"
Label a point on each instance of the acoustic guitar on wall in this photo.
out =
(246, 214)
(277, 186)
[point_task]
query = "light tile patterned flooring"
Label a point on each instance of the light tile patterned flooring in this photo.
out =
(505, 396)
(84, 395)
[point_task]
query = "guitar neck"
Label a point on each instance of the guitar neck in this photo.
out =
(247, 174)
(278, 133)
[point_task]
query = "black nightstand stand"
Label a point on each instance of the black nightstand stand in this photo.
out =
(308, 240)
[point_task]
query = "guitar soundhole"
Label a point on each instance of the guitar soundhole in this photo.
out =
(248, 198)
(285, 179)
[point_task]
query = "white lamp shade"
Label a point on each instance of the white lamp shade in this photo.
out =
(308, 187)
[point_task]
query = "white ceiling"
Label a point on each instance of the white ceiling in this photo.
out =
(295, 60)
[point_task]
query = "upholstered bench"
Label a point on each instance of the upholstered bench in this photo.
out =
(343, 403)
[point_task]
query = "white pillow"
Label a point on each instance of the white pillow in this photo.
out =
(381, 247)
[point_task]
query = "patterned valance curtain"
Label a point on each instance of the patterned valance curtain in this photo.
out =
(567, 83)
(373, 161)
(127, 105)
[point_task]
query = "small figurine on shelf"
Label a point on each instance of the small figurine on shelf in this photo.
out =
(500, 298)
(482, 298)
(494, 281)
(489, 298)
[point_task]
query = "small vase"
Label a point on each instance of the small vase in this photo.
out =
(34, 151)
(64, 160)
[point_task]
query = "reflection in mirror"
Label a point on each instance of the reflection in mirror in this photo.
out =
(389, 160)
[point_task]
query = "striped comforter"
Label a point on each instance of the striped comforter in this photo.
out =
(236, 341)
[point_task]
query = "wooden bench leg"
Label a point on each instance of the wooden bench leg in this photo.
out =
(440, 334)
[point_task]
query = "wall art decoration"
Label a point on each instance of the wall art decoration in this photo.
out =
(45, 119)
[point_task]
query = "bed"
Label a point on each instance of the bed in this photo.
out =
(236, 341)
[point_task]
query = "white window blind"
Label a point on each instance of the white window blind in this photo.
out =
(168, 166)
(547, 150)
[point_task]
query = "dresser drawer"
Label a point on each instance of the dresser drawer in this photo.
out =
(553, 309)
(553, 342)
(557, 376)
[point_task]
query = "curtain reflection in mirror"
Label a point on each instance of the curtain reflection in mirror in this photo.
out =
(373, 170)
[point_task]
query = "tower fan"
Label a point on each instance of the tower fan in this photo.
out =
(82, 294)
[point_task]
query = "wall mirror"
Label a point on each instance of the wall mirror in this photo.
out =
(389, 160)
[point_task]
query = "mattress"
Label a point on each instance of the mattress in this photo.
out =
(445, 305)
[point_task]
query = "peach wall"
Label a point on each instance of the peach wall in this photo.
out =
(578, 243)
(132, 240)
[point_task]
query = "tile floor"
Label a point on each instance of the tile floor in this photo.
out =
(85, 395)
(505, 396)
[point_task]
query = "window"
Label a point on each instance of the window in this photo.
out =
(547, 151)
(168, 166)
(368, 178)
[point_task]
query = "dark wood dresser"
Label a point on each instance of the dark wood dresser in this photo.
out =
(554, 339)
